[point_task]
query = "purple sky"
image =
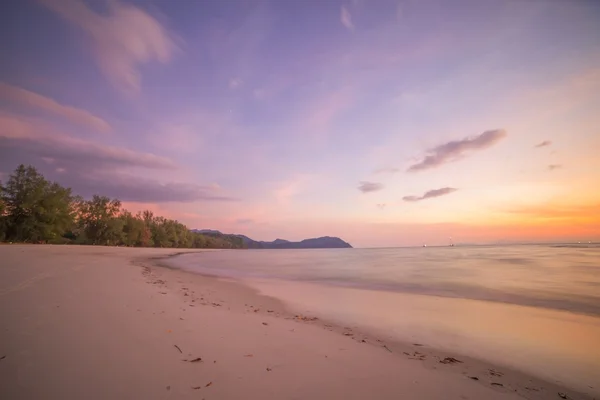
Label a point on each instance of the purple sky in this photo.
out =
(382, 122)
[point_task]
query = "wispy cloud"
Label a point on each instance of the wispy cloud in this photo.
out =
(455, 150)
(346, 18)
(234, 83)
(552, 167)
(20, 138)
(27, 98)
(92, 168)
(121, 40)
(430, 194)
(133, 188)
(543, 144)
(367, 187)
(386, 170)
(244, 221)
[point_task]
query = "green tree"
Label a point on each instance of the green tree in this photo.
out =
(98, 221)
(2, 216)
(36, 210)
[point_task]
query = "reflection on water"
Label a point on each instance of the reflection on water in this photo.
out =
(535, 308)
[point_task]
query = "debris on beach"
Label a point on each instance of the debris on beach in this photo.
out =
(417, 356)
(348, 333)
(474, 378)
(387, 348)
(304, 318)
(249, 355)
(168, 387)
(196, 387)
(495, 373)
(562, 395)
(264, 323)
(418, 344)
(195, 360)
(208, 384)
(497, 384)
(269, 369)
(2, 358)
(177, 347)
(450, 360)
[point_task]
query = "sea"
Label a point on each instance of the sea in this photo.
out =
(535, 308)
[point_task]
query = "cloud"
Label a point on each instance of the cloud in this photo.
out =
(91, 168)
(386, 170)
(27, 98)
(22, 139)
(430, 194)
(127, 187)
(367, 187)
(381, 206)
(234, 83)
(552, 167)
(346, 18)
(121, 40)
(244, 221)
(543, 144)
(455, 150)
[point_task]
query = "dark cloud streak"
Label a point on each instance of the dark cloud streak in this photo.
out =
(430, 194)
(457, 149)
(367, 187)
(543, 144)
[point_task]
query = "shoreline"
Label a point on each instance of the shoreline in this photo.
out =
(102, 322)
(499, 377)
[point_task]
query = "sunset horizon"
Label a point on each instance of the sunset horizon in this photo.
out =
(385, 123)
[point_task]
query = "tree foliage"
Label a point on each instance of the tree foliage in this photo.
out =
(33, 209)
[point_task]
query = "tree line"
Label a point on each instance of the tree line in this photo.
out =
(35, 210)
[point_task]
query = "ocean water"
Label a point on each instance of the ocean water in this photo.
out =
(531, 307)
(564, 277)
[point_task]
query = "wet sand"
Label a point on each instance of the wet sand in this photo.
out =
(99, 323)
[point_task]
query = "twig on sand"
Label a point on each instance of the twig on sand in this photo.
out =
(177, 347)
(562, 395)
(2, 358)
(387, 348)
(450, 360)
(199, 359)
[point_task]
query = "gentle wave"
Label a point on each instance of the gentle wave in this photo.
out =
(563, 277)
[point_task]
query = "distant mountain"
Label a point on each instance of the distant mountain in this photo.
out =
(209, 231)
(325, 242)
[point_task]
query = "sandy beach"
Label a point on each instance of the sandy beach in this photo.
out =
(84, 322)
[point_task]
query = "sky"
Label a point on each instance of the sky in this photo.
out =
(386, 123)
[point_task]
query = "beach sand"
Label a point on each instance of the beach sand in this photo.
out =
(80, 322)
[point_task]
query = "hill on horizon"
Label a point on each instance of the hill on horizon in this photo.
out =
(323, 242)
